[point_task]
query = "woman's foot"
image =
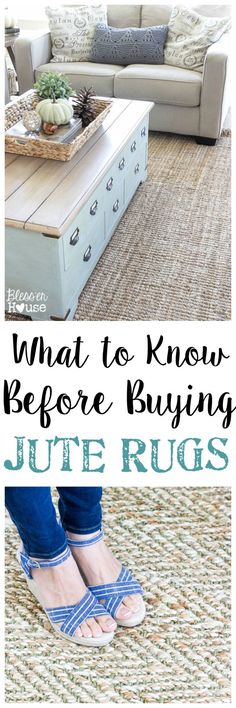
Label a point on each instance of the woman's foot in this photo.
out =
(63, 585)
(98, 566)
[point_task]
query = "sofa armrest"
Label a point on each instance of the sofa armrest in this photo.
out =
(215, 96)
(30, 52)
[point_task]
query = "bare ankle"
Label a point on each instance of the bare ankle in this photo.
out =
(81, 537)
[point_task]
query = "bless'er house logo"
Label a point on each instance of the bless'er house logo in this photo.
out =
(25, 303)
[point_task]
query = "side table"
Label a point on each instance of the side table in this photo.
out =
(10, 39)
(9, 45)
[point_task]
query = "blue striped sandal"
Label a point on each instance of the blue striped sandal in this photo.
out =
(111, 595)
(65, 620)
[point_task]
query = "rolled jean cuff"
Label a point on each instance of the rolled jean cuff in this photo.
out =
(80, 509)
(42, 555)
(82, 529)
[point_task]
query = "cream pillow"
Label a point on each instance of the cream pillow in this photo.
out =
(190, 35)
(72, 30)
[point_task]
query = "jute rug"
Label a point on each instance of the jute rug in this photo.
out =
(177, 541)
(169, 258)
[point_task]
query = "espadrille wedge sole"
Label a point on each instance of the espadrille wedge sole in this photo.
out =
(66, 619)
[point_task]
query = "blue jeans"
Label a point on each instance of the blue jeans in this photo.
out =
(32, 511)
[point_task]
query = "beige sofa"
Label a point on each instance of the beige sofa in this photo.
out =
(186, 102)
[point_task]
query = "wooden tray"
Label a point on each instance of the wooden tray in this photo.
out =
(49, 149)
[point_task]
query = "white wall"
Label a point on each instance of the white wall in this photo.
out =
(27, 24)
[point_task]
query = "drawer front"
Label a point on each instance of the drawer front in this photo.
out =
(93, 245)
(114, 208)
(143, 131)
(135, 174)
(90, 219)
(138, 140)
(82, 266)
(131, 149)
(112, 183)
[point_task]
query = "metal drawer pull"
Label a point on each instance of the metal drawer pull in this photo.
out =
(94, 207)
(109, 184)
(143, 132)
(133, 146)
(136, 169)
(87, 254)
(116, 206)
(122, 164)
(74, 237)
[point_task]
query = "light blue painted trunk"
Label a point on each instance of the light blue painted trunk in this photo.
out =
(60, 267)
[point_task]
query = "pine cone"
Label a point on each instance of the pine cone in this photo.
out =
(83, 105)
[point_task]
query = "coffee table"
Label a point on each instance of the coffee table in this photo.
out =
(60, 216)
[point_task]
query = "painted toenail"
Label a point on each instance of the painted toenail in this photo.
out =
(125, 612)
(110, 624)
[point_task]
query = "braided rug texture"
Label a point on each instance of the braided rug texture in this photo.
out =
(177, 543)
(170, 257)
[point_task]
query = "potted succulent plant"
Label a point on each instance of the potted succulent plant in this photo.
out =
(53, 107)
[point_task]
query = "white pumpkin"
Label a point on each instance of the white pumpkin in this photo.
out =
(58, 112)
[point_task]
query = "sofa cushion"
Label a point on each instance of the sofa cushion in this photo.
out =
(72, 30)
(80, 74)
(160, 14)
(124, 15)
(129, 45)
(162, 84)
(190, 35)
(155, 14)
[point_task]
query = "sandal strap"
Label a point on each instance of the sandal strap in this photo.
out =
(85, 542)
(71, 616)
(27, 563)
(112, 594)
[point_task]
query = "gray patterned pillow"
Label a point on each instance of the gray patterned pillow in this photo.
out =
(129, 45)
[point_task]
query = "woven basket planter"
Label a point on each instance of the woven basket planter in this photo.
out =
(49, 149)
